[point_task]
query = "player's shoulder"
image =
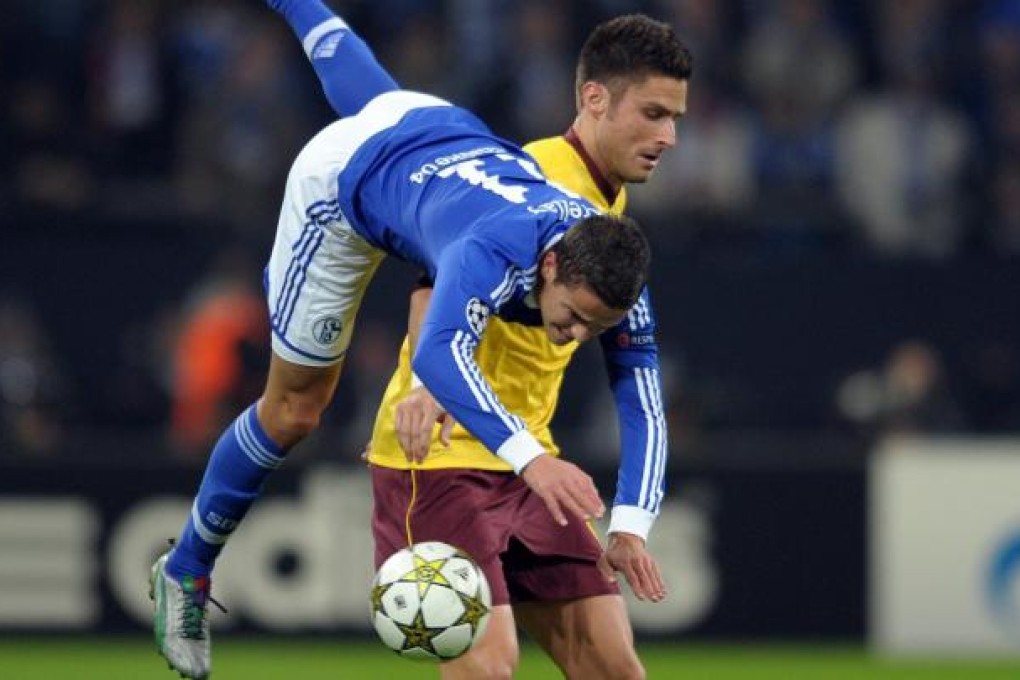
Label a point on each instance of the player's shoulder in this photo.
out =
(551, 149)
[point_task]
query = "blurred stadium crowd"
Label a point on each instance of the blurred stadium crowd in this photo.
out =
(153, 136)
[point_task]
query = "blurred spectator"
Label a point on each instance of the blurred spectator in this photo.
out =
(804, 116)
(540, 69)
(129, 91)
(909, 395)
(32, 387)
(903, 153)
(705, 26)
(797, 68)
(49, 169)
(238, 143)
(998, 75)
(221, 353)
(416, 57)
(711, 174)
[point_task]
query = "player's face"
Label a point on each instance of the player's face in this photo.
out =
(638, 125)
(572, 313)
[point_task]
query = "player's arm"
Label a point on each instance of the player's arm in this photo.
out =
(417, 413)
(632, 362)
(473, 279)
(419, 304)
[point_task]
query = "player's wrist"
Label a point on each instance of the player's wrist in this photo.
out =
(520, 450)
(630, 519)
(626, 537)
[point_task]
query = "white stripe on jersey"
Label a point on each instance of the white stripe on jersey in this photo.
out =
(655, 449)
(458, 359)
(660, 471)
(464, 344)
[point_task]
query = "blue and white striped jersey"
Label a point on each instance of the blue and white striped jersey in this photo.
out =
(439, 190)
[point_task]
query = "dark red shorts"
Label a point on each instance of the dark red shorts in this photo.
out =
(495, 518)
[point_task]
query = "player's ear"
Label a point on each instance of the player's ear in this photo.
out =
(549, 266)
(595, 97)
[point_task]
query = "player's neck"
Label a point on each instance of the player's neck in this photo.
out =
(581, 136)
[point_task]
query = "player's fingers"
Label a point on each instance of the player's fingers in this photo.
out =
(651, 579)
(605, 568)
(575, 504)
(587, 496)
(552, 503)
(400, 425)
(635, 580)
(422, 436)
(446, 430)
(657, 584)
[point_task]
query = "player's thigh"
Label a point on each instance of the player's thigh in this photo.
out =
(320, 267)
(588, 638)
(470, 509)
(495, 655)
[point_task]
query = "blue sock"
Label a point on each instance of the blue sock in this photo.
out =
(350, 75)
(240, 462)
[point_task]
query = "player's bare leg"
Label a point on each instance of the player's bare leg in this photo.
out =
(494, 657)
(589, 638)
(295, 399)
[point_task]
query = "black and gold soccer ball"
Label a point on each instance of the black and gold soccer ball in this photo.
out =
(430, 601)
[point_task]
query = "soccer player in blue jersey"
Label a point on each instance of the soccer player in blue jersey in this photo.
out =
(410, 175)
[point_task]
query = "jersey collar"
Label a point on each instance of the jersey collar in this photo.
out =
(604, 187)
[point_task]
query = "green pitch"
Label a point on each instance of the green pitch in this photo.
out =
(274, 658)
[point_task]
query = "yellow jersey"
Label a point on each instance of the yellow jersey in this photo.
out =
(523, 367)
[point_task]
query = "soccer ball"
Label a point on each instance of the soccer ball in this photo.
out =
(430, 602)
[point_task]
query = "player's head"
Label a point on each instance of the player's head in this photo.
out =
(631, 89)
(592, 277)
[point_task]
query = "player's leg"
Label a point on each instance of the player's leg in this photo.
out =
(465, 508)
(494, 657)
(562, 599)
(246, 453)
(589, 638)
(349, 72)
(315, 280)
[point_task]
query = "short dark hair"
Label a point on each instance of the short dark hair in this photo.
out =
(607, 253)
(631, 48)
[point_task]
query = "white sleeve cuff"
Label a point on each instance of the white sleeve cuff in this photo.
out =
(630, 519)
(415, 381)
(520, 449)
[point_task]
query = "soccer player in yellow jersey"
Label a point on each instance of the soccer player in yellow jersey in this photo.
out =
(554, 580)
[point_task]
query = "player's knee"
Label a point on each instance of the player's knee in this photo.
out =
(587, 663)
(292, 418)
(624, 667)
(496, 668)
(498, 662)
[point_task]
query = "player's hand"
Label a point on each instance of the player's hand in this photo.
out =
(627, 554)
(414, 418)
(564, 488)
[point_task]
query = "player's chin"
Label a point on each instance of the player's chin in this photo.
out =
(640, 173)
